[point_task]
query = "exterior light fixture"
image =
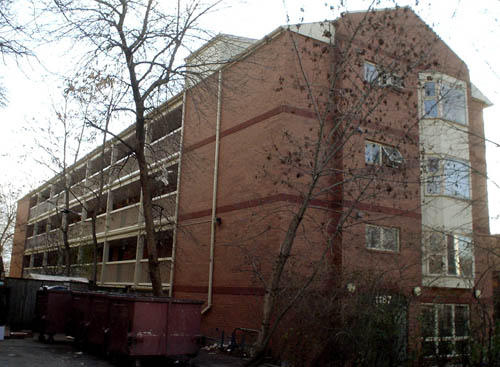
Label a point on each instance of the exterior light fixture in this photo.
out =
(417, 291)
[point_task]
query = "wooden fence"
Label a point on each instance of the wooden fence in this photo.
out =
(21, 299)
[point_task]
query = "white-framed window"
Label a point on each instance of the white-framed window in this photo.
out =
(447, 177)
(450, 255)
(445, 329)
(381, 154)
(446, 100)
(382, 238)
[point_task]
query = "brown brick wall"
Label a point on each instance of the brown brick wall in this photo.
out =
(16, 262)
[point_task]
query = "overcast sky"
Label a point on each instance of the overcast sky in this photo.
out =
(470, 27)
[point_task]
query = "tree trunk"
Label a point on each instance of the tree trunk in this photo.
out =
(95, 248)
(154, 266)
(65, 227)
(2, 268)
(272, 290)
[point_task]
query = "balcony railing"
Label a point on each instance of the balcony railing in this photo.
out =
(124, 217)
(120, 272)
(165, 266)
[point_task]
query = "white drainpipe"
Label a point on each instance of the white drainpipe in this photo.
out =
(214, 197)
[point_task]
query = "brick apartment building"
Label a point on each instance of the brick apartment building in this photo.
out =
(398, 169)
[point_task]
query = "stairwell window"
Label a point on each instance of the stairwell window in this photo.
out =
(447, 177)
(450, 255)
(446, 100)
(445, 329)
(382, 238)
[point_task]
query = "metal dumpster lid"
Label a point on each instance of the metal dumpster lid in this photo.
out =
(57, 278)
(141, 298)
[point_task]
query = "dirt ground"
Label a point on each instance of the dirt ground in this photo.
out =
(29, 352)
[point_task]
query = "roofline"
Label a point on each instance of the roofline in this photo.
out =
(213, 40)
(479, 96)
(408, 7)
(378, 9)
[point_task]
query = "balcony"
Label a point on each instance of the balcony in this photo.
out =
(124, 217)
(120, 272)
(165, 147)
(100, 225)
(165, 266)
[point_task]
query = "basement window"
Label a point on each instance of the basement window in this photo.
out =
(382, 238)
(381, 154)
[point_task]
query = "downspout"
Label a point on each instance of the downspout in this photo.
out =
(214, 197)
(174, 241)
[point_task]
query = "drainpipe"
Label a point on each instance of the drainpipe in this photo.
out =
(214, 197)
(174, 241)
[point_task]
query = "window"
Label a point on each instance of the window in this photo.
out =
(447, 177)
(450, 254)
(38, 260)
(382, 238)
(26, 261)
(445, 329)
(52, 258)
(373, 73)
(444, 100)
(379, 154)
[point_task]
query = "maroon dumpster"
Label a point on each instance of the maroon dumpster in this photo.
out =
(52, 311)
(183, 327)
(96, 332)
(79, 319)
(153, 326)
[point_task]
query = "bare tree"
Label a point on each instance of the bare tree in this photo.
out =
(144, 40)
(8, 208)
(12, 33)
(97, 99)
(62, 144)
